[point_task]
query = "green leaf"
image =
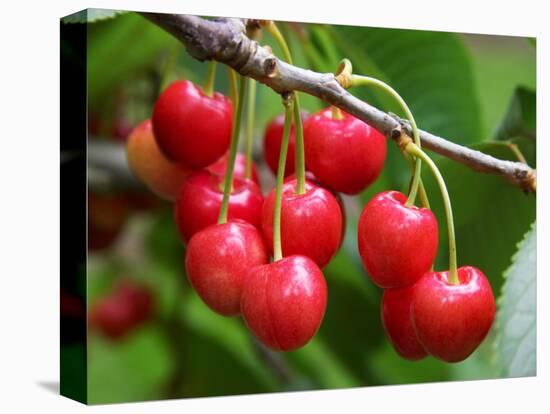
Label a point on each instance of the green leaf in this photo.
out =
(119, 50)
(520, 118)
(516, 318)
(91, 15)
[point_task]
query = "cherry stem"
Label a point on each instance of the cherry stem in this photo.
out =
(300, 150)
(421, 189)
(277, 247)
(210, 79)
(356, 80)
(413, 149)
(170, 66)
(272, 28)
(250, 127)
(222, 218)
(233, 86)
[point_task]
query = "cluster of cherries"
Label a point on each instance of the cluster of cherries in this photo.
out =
(423, 312)
(128, 306)
(182, 155)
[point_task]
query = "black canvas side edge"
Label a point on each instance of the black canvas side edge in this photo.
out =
(73, 210)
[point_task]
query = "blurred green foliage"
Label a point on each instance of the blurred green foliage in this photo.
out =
(459, 86)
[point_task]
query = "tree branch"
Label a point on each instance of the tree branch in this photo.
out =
(225, 40)
(108, 169)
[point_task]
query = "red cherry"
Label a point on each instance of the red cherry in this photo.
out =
(160, 175)
(311, 223)
(139, 298)
(192, 128)
(283, 303)
(126, 307)
(200, 200)
(397, 321)
(113, 318)
(397, 244)
(311, 178)
(452, 320)
(273, 137)
(220, 166)
(218, 260)
(345, 154)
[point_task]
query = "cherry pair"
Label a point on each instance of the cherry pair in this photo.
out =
(423, 312)
(128, 306)
(192, 130)
(344, 153)
(439, 318)
(282, 302)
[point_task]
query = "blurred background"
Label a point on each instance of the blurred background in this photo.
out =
(475, 90)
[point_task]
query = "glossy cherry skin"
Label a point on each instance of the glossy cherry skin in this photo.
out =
(220, 166)
(311, 178)
(273, 136)
(397, 244)
(283, 303)
(218, 260)
(192, 128)
(397, 321)
(452, 320)
(200, 200)
(162, 176)
(346, 155)
(311, 223)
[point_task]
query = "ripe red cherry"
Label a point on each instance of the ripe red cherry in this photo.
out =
(397, 321)
(160, 175)
(218, 260)
(311, 178)
(273, 137)
(311, 223)
(139, 298)
(220, 166)
(452, 320)
(283, 303)
(111, 317)
(345, 154)
(397, 244)
(192, 128)
(200, 200)
(125, 308)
